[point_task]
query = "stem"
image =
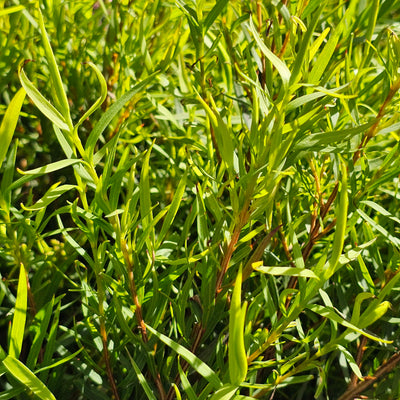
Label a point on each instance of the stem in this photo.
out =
(103, 334)
(132, 288)
(198, 334)
(259, 20)
(360, 353)
(138, 312)
(384, 369)
(373, 130)
(242, 221)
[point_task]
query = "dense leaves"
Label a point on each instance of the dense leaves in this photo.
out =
(200, 199)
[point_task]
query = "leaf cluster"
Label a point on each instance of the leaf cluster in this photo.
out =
(200, 199)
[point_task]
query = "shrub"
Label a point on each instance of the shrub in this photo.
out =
(206, 204)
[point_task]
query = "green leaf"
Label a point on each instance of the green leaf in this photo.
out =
(305, 44)
(51, 195)
(142, 380)
(35, 173)
(176, 201)
(326, 54)
(19, 319)
(225, 393)
(60, 97)
(10, 10)
(9, 122)
(100, 100)
(373, 314)
(341, 221)
(11, 393)
(42, 103)
(305, 273)
(353, 365)
(60, 361)
(318, 141)
(222, 133)
(46, 169)
(187, 387)
(109, 115)
(331, 314)
(357, 306)
(202, 226)
(392, 239)
(39, 328)
(236, 350)
(213, 14)
(145, 199)
(281, 67)
(7, 178)
(199, 366)
(27, 378)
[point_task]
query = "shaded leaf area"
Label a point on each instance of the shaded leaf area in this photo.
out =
(199, 199)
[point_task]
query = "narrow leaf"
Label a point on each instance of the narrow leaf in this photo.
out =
(187, 387)
(19, 319)
(51, 195)
(10, 10)
(353, 365)
(144, 196)
(331, 314)
(100, 100)
(305, 273)
(341, 220)
(27, 377)
(214, 13)
(225, 393)
(9, 122)
(42, 103)
(199, 366)
(142, 380)
(60, 99)
(236, 349)
(276, 62)
(46, 169)
(176, 201)
(109, 115)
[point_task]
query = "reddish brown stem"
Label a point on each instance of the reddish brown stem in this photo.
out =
(259, 20)
(360, 353)
(110, 376)
(373, 130)
(138, 312)
(198, 334)
(383, 370)
(132, 288)
(227, 257)
(258, 253)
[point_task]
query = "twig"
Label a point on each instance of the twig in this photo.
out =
(138, 312)
(360, 353)
(372, 131)
(384, 369)
(198, 334)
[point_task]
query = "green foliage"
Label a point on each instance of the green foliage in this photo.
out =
(200, 200)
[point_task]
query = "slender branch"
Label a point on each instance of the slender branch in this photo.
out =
(198, 330)
(227, 257)
(374, 128)
(138, 312)
(258, 252)
(383, 370)
(242, 221)
(132, 288)
(104, 341)
(103, 335)
(259, 20)
(360, 353)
